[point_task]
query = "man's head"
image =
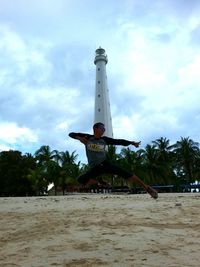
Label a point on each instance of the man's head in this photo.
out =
(99, 128)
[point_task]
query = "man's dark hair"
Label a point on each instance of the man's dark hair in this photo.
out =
(98, 124)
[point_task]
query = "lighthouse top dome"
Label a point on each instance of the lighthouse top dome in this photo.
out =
(100, 55)
(100, 51)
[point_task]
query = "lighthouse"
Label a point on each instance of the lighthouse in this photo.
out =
(102, 103)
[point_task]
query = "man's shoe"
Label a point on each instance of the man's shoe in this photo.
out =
(152, 192)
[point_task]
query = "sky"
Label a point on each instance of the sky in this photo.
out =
(47, 71)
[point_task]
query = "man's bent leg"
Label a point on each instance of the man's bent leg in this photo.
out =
(152, 192)
(115, 169)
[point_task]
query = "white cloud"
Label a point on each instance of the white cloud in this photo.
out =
(5, 147)
(23, 60)
(47, 73)
(11, 133)
(190, 73)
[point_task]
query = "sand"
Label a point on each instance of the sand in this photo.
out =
(100, 230)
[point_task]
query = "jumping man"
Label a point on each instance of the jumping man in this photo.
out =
(95, 146)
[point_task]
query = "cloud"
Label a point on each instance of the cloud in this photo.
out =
(31, 96)
(161, 79)
(11, 134)
(47, 74)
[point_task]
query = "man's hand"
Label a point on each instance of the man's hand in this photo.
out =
(136, 144)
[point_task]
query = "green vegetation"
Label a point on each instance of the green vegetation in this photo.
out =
(159, 163)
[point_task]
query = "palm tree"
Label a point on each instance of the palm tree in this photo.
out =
(197, 167)
(113, 157)
(127, 157)
(53, 173)
(44, 155)
(163, 147)
(48, 161)
(67, 158)
(187, 155)
(38, 180)
(70, 170)
(132, 161)
(165, 159)
(153, 168)
(68, 175)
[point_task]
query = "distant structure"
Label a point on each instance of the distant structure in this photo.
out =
(102, 103)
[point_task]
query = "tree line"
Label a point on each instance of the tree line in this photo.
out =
(159, 163)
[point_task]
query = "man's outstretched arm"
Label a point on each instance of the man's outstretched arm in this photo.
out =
(82, 137)
(122, 142)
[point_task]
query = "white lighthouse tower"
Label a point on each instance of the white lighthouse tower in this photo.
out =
(102, 103)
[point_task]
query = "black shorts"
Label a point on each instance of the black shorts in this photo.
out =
(103, 168)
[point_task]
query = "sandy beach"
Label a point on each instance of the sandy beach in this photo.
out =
(100, 230)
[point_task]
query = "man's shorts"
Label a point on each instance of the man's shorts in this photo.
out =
(104, 168)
